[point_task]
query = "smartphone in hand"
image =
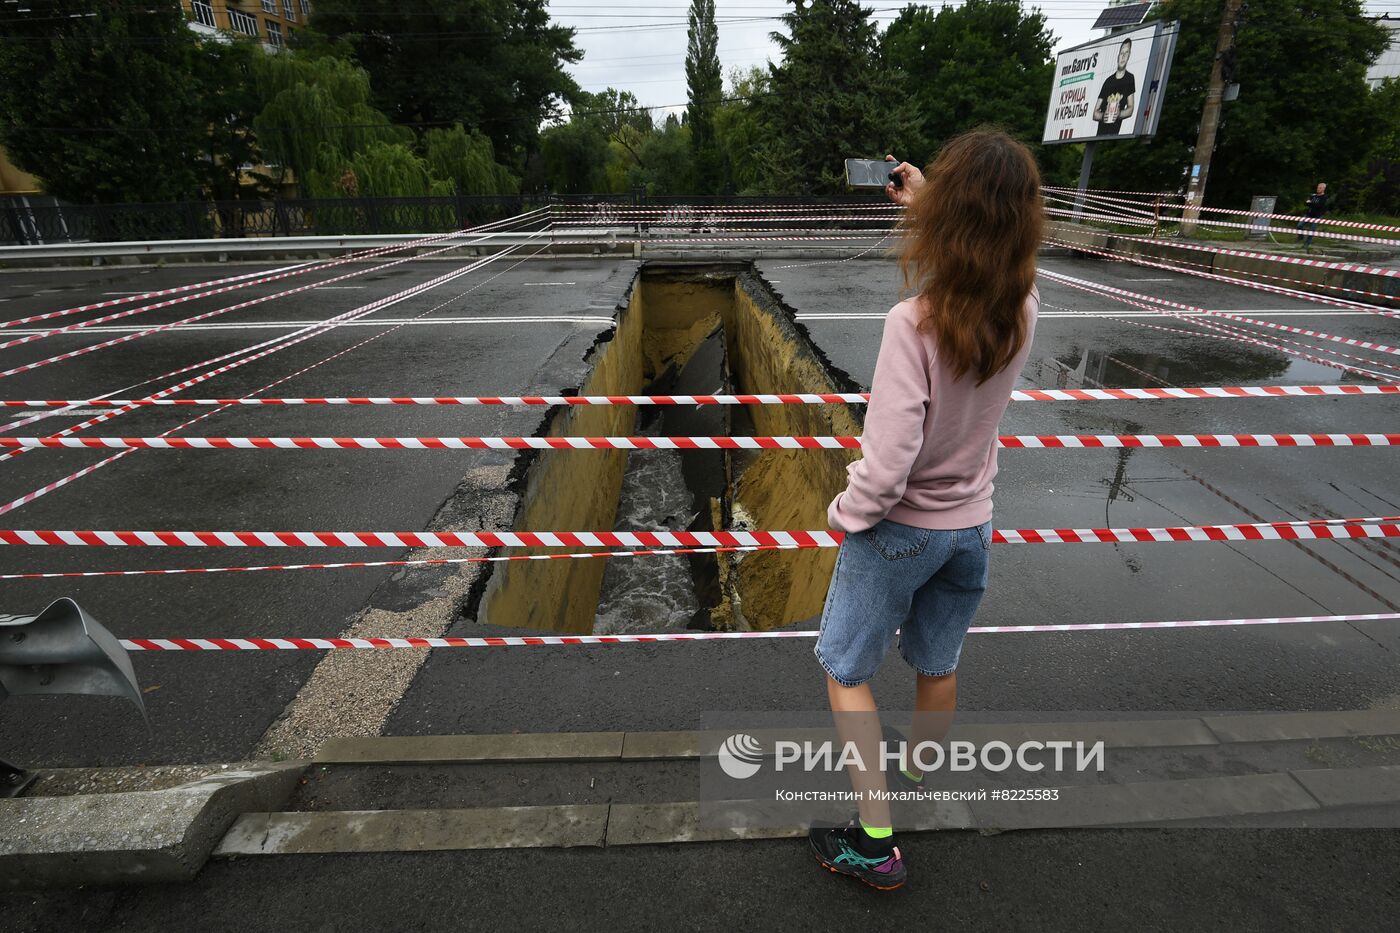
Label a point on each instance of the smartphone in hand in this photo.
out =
(870, 173)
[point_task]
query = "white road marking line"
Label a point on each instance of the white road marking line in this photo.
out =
(838, 316)
(124, 293)
(548, 283)
(370, 322)
(1149, 280)
(342, 288)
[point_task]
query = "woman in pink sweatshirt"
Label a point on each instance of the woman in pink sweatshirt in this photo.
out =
(917, 507)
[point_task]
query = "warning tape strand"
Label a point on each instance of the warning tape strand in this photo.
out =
(1211, 330)
(523, 641)
(1181, 266)
(440, 561)
(794, 398)
(677, 442)
(264, 275)
(1258, 531)
(313, 332)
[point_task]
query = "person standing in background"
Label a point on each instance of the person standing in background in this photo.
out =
(1317, 207)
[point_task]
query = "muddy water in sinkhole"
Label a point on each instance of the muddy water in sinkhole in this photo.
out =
(684, 330)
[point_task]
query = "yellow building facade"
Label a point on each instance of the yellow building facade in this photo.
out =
(271, 22)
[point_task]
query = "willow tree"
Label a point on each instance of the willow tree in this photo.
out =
(318, 115)
(468, 162)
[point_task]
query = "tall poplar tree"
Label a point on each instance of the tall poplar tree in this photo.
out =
(704, 87)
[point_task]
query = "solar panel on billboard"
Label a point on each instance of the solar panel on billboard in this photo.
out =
(1127, 14)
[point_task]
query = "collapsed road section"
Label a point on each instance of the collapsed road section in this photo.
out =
(691, 330)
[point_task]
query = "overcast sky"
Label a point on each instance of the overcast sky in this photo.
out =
(639, 45)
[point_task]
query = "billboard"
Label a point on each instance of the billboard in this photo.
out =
(1111, 88)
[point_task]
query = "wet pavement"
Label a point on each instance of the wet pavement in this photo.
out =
(215, 706)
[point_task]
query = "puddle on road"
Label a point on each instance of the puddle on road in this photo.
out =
(1123, 367)
(684, 329)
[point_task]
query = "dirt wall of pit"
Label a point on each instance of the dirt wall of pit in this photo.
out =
(782, 490)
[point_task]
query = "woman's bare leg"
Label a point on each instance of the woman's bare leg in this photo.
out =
(858, 722)
(935, 700)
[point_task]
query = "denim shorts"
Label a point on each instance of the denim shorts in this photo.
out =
(925, 582)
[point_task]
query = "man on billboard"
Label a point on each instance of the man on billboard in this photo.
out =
(1116, 97)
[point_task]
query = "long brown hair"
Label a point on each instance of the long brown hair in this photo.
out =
(970, 238)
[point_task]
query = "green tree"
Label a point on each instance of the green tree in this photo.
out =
(466, 160)
(984, 62)
(1375, 184)
(574, 156)
(1301, 116)
(316, 117)
(492, 65)
(99, 102)
(225, 73)
(704, 84)
(667, 168)
(385, 170)
(739, 130)
(831, 99)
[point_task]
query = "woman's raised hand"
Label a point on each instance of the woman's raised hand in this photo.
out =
(913, 180)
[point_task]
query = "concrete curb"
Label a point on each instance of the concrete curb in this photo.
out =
(1137, 804)
(141, 836)
(416, 830)
(682, 745)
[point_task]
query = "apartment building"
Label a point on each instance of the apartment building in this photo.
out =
(271, 22)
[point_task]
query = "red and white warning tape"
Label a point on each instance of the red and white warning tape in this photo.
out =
(1176, 265)
(562, 211)
(1105, 197)
(157, 293)
(311, 332)
(438, 561)
(523, 641)
(126, 338)
(647, 442)
(812, 398)
(1156, 195)
(1273, 257)
(1260, 286)
(267, 275)
(233, 285)
(1214, 331)
(1259, 531)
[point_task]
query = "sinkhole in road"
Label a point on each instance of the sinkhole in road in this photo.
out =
(687, 329)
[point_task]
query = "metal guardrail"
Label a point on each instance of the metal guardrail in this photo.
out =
(44, 221)
(663, 242)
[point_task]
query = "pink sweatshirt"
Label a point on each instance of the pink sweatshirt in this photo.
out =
(929, 450)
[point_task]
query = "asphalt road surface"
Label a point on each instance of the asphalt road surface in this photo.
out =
(525, 328)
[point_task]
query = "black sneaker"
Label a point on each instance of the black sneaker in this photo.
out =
(849, 850)
(898, 780)
(894, 776)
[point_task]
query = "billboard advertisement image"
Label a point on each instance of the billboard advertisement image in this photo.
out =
(1110, 88)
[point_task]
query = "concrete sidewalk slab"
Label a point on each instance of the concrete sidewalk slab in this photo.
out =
(449, 749)
(416, 830)
(1352, 787)
(141, 836)
(1285, 727)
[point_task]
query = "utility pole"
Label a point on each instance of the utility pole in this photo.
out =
(1210, 118)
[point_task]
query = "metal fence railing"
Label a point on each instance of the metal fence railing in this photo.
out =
(33, 221)
(43, 220)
